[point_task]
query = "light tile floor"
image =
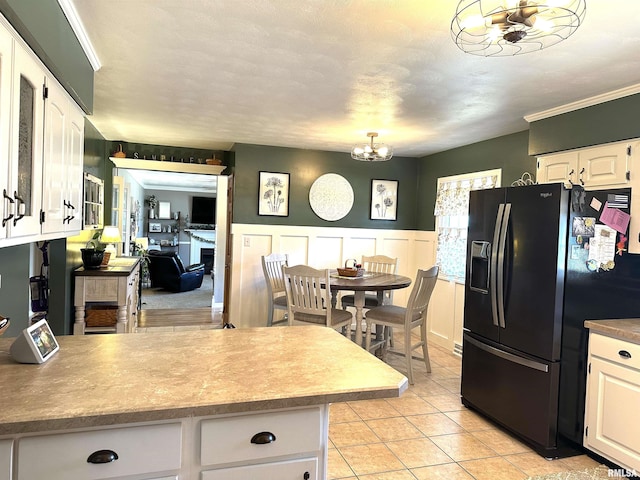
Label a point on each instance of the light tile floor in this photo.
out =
(427, 434)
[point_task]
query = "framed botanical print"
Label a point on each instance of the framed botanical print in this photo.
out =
(273, 194)
(384, 199)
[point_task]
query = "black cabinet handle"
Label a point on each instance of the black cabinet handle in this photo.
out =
(306, 476)
(263, 438)
(624, 354)
(102, 456)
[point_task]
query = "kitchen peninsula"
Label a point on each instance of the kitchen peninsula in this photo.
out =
(214, 404)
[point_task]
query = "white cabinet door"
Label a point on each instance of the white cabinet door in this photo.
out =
(25, 179)
(604, 166)
(558, 168)
(6, 456)
(63, 157)
(54, 175)
(6, 62)
(613, 396)
(75, 166)
(290, 470)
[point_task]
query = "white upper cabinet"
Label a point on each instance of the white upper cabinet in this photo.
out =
(25, 158)
(559, 168)
(63, 157)
(605, 166)
(6, 65)
(41, 148)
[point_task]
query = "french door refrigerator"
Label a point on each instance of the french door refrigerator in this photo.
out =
(524, 343)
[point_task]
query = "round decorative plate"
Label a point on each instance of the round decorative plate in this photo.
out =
(331, 197)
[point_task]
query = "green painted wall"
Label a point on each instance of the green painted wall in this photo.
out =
(42, 24)
(612, 121)
(508, 153)
(304, 167)
(14, 293)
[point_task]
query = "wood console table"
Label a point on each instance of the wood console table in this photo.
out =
(115, 285)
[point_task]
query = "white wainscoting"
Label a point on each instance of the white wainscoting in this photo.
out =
(320, 247)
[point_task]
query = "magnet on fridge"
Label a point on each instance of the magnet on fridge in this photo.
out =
(620, 245)
(592, 265)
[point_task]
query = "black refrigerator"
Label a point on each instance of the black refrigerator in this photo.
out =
(531, 282)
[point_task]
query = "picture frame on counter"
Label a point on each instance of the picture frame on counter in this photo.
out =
(155, 227)
(384, 199)
(273, 194)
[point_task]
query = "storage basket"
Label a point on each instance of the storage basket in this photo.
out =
(351, 272)
(101, 317)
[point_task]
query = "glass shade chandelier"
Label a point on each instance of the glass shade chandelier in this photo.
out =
(373, 152)
(494, 28)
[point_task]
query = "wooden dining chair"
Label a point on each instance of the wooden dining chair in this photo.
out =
(375, 264)
(309, 298)
(272, 268)
(414, 315)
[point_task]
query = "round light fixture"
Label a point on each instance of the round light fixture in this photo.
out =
(373, 152)
(494, 28)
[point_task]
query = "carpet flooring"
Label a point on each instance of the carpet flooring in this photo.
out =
(157, 298)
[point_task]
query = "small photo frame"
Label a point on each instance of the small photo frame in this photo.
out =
(273, 194)
(384, 199)
(155, 227)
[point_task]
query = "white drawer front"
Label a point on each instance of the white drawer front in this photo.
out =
(146, 449)
(6, 450)
(291, 470)
(228, 440)
(614, 349)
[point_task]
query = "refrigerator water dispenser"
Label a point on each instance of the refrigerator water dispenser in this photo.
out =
(479, 274)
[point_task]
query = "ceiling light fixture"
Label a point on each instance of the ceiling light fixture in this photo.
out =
(374, 152)
(491, 29)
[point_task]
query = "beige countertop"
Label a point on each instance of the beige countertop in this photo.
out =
(626, 329)
(98, 380)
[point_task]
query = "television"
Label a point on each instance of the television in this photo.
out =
(203, 210)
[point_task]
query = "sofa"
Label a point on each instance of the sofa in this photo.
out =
(167, 271)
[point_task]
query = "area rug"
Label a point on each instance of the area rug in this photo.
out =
(157, 298)
(600, 472)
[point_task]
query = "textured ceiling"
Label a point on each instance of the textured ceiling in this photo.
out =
(319, 74)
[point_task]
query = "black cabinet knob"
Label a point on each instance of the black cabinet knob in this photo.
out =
(263, 438)
(102, 456)
(624, 354)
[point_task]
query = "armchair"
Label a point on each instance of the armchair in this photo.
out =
(167, 271)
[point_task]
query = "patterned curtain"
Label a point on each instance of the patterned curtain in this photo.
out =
(452, 211)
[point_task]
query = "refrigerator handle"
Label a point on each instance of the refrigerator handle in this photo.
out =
(493, 269)
(510, 357)
(500, 274)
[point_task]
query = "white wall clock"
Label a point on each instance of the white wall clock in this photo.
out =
(331, 197)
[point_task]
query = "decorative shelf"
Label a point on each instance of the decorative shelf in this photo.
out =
(167, 166)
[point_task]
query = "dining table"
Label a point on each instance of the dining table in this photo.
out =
(368, 282)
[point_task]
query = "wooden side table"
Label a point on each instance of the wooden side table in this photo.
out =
(116, 285)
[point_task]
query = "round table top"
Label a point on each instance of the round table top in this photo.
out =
(369, 281)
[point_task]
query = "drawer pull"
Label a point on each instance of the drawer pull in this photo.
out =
(102, 456)
(624, 354)
(263, 438)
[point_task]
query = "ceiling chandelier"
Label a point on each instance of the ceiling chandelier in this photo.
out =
(494, 28)
(374, 152)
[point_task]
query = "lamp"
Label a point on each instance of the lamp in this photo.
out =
(110, 236)
(374, 152)
(496, 28)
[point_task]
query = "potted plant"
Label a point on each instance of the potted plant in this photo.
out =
(153, 203)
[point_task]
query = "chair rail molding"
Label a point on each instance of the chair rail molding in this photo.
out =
(319, 247)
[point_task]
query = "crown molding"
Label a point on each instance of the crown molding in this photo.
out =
(81, 34)
(587, 102)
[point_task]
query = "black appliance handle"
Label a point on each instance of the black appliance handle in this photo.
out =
(525, 362)
(493, 268)
(500, 275)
